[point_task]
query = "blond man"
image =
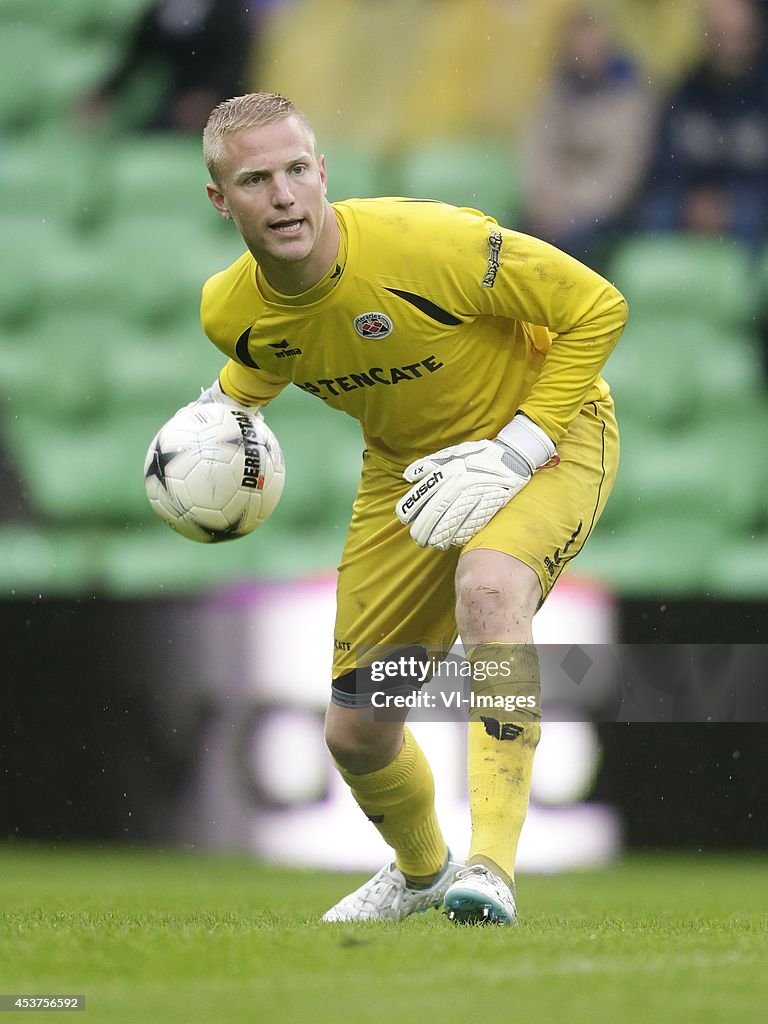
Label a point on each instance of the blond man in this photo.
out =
(471, 355)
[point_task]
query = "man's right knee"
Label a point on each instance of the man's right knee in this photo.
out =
(358, 744)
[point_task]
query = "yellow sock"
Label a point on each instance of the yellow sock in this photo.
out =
(501, 745)
(400, 801)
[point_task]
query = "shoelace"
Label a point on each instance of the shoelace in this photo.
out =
(479, 871)
(377, 888)
(474, 869)
(384, 883)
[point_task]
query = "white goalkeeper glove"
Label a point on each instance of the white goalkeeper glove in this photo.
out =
(457, 490)
(215, 393)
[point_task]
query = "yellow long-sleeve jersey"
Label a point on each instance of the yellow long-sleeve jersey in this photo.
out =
(435, 326)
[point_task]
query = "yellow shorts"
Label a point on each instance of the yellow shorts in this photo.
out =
(392, 592)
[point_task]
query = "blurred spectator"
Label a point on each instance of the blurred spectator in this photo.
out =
(194, 52)
(663, 36)
(399, 73)
(710, 173)
(584, 154)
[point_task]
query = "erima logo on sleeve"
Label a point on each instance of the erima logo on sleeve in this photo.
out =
(373, 325)
(282, 349)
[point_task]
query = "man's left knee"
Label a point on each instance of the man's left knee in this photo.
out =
(494, 591)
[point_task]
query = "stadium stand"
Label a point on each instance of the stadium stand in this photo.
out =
(355, 170)
(480, 173)
(687, 275)
(111, 239)
(158, 175)
(690, 393)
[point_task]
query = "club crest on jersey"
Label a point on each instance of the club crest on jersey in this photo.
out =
(373, 325)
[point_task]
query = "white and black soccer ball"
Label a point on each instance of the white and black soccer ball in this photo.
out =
(214, 473)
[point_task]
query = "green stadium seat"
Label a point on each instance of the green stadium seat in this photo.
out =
(86, 472)
(291, 552)
(75, 17)
(56, 367)
(26, 87)
(20, 366)
(77, 283)
(45, 72)
(708, 473)
(353, 171)
(165, 174)
(740, 568)
(78, 65)
(78, 432)
(70, 17)
(148, 558)
(481, 174)
(30, 241)
(37, 560)
(145, 558)
(159, 371)
(159, 264)
(115, 18)
(762, 284)
(728, 371)
(70, 197)
(671, 370)
(323, 456)
(649, 373)
(680, 275)
(664, 554)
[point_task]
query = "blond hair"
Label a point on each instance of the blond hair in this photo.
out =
(254, 110)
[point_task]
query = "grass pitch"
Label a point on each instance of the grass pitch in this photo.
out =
(168, 937)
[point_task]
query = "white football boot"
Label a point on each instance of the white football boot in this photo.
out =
(480, 897)
(387, 897)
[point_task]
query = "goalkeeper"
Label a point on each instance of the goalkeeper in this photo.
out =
(471, 355)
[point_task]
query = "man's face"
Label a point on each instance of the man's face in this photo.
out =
(273, 186)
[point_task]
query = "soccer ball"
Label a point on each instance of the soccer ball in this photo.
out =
(214, 473)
